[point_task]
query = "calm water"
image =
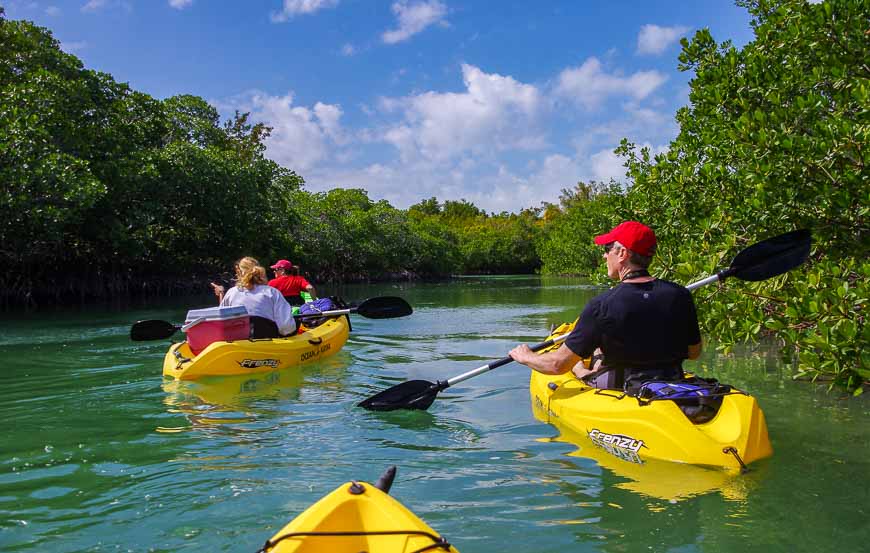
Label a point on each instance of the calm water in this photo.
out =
(100, 454)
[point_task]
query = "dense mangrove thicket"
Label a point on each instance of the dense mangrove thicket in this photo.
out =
(108, 192)
(775, 138)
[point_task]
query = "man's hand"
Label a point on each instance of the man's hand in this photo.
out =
(522, 354)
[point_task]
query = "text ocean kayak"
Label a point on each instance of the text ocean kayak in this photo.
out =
(240, 357)
(635, 430)
(357, 517)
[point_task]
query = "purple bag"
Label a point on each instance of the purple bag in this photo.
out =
(317, 306)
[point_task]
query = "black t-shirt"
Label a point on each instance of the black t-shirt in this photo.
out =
(647, 325)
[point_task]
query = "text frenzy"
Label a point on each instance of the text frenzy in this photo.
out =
(616, 440)
(257, 363)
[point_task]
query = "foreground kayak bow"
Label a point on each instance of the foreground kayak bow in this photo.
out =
(355, 517)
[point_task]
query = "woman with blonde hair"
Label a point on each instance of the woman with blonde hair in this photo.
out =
(271, 315)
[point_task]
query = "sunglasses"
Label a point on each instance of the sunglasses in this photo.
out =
(608, 247)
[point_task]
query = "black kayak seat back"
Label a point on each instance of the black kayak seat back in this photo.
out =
(261, 327)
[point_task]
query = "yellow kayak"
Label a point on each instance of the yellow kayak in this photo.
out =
(242, 357)
(635, 431)
(357, 517)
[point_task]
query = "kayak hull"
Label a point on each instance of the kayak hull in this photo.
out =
(656, 430)
(242, 357)
(359, 516)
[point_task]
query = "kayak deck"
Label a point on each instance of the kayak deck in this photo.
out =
(241, 357)
(357, 517)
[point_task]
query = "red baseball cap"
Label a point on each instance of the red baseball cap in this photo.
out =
(635, 236)
(282, 264)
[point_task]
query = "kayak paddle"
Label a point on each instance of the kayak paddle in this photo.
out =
(419, 394)
(383, 307)
(760, 261)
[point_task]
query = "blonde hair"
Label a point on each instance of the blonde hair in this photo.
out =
(249, 273)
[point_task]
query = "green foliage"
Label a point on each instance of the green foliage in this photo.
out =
(774, 138)
(468, 241)
(566, 246)
(114, 185)
(342, 234)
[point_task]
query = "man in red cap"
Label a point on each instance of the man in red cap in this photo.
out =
(643, 328)
(289, 284)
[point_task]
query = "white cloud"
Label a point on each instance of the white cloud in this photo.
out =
(348, 49)
(492, 187)
(489, 142)
(653, 39)
(414, 18)
(94, 5)
(329, 115)
(52, 11)
(606, 165)
(589, 85)
(73, 46)
(495, 113)
(292, 8)
(635, 123)
(180, 4)
(301, 137)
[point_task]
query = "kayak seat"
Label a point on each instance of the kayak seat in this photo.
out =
(627, 380)
(261, 327)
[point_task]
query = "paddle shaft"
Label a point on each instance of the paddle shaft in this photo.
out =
(503, 361)
(721, 275)
(386, 307)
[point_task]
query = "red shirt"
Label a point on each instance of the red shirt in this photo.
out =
(289, 285)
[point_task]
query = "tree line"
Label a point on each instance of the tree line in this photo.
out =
(110, 192)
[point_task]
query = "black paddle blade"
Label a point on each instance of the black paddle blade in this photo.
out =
(413, 394)
(772, 257)
(385, 482)
(152, 330)
(384, 307)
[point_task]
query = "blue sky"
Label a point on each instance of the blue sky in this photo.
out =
(500, 103)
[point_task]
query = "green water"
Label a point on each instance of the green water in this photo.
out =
(100, 454)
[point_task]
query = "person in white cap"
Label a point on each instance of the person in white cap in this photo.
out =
(291, 286)
(643, 328)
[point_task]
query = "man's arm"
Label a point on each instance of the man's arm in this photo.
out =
(559, 361)
(695, 351)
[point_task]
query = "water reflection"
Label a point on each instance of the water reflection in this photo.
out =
(240, 399)
(233, 391)
(660, 479)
